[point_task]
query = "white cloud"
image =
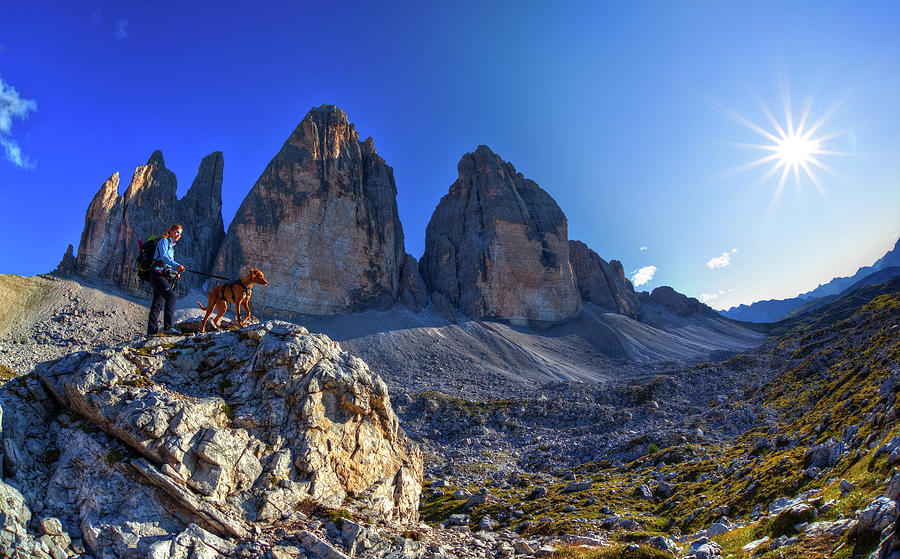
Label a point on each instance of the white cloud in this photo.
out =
(14, 153)
(707, 297)
(643, 248)
(643, 275)
(122, 28)
(720, 261)
(13, 106)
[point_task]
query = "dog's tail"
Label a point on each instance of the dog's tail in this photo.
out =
(201, 305)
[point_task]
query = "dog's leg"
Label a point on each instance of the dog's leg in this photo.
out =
(205, 319)
(221, 307)
(237, 312)
(209, 310)
(246, 304)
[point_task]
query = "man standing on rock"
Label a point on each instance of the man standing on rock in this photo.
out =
(165, 271)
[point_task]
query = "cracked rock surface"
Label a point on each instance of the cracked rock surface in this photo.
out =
(140, 447)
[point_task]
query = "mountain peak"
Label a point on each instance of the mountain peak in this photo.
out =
(497, 247)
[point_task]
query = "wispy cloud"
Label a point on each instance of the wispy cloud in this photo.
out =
(12, 106)
(122, 28)
(643, 248)
(643, 275)
(14, 153)
(721, 261)
(707, 297)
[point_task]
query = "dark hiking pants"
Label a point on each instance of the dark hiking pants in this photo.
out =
(162, 294)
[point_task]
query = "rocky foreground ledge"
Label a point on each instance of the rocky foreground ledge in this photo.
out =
(200, 446)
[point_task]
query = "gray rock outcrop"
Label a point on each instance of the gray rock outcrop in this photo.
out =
(496, 246)
(188, 442)
(682, 305)
(14, 520)
(321, 223)
(413, 292)
(113, 223)
(602, 283)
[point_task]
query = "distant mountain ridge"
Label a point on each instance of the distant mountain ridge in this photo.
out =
(772, 310)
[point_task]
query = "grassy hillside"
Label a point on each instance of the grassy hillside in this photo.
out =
(838, 380)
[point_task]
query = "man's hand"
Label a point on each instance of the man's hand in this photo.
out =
(180, 269)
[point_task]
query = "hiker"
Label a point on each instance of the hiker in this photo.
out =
(165, 271)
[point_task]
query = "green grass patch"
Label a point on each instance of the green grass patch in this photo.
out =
(6, 373)
(882, 302)
(612, 552)
(138, 382)
(435, 510)
(467, 407)
(113, 456)
(335, 516)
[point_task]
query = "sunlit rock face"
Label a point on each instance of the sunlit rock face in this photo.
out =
(114, 222)
(321, 223)
(242, 427)
(602, 283)
(496, 246)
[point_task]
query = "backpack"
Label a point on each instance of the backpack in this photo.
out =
(144, 261)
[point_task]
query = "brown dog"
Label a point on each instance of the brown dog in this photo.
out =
(237, 292)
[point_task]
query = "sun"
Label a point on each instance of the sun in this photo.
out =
(796, 150)
(793, 149)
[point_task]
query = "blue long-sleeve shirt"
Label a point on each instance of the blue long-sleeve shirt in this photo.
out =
(165, 253)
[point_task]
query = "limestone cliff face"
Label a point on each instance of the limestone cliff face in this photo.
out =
(602, 283)
(149, 206)
(321, 222)
(98, 243)
(496, 246)
(220, 435)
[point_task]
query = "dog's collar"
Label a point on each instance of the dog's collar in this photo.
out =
(246, 288)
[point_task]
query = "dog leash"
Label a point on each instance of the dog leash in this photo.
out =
(209, 275)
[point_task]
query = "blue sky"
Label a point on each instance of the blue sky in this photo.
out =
(623, 112)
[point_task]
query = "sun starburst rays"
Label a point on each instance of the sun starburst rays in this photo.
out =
(795, 144)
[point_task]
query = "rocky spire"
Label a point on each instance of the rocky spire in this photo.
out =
(200, 211)
(496, 246)
(149, 206)
(321, 222)
(98, 240)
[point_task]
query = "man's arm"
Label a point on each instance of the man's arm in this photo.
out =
(164, 253)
